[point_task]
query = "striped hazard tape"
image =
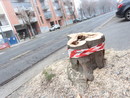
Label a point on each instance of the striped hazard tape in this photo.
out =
(85, 52)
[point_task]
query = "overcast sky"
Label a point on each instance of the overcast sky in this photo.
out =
(77, 2)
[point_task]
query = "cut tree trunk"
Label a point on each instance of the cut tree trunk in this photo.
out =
(86, 64)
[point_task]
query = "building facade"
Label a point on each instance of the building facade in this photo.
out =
(50, 12)
(29, 17)
(22, 17)
(7, 34)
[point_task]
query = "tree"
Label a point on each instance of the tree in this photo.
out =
(82, 13)
(89, 7)
(80, 61)
(71, 8)
(26, 16)
(94, 7)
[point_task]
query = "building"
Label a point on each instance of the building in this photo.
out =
(22, 17)
(30, 17)
(6, 31)
(50, 12)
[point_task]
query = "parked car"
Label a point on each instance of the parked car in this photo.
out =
(77, 20)
(124, 10)
(54, 27)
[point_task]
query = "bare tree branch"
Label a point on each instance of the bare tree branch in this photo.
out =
(95, 7)
(26, 16)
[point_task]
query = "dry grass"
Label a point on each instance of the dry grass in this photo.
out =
(112, 81)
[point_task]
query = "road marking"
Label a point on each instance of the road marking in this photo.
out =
(2, 53)
(18, 56)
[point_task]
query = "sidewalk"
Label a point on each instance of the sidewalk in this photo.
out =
(21, 42)
(27, 40)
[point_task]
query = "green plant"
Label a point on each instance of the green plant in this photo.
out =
(48, 75)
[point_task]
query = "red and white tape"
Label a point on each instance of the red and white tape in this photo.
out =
(85, 52)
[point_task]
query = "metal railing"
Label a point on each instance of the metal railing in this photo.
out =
(5, 28)
(44, 7)
(55, 0)
(34, 19)
(57, 7)
(48, 15)
(59, 13)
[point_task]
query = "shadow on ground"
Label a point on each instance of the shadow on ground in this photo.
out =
(123, 20)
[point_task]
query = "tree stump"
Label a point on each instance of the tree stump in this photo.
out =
(83, 42)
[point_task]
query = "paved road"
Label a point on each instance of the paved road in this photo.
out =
(16, 60)
(117, 32)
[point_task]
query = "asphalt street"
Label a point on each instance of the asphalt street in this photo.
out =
(117, 33)
(16, 60)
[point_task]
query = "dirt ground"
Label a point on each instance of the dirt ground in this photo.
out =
(112, 81)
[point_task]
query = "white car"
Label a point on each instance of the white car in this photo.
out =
(54, 27)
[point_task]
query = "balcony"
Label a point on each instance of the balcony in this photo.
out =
(30, 9)
(34, 19)
(22, 21)
(59, 14)
(66, 7)
(48, 15)
(68, 2)
(55, 0)
(5, 28)
(17, 10)
(57, 7)
(69, 13)
(21, 4)
(44, 7)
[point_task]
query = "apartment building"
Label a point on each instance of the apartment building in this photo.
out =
(35, 16)
(6, 31)
(50, 12)
(21, 15)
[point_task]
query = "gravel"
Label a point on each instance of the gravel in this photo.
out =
(112, 81)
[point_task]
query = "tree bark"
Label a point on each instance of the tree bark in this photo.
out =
(86, 64)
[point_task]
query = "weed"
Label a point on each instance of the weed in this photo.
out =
(48, 75)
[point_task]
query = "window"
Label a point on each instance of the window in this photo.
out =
(42, 20)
